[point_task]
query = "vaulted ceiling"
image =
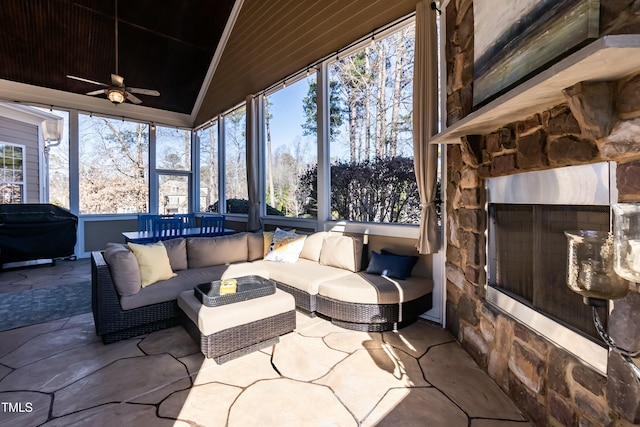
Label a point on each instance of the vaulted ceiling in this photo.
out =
(178, 47)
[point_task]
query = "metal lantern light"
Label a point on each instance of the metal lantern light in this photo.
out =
(590, 271)
(626, 230)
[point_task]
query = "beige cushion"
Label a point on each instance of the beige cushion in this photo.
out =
(153, 262)
(208, 251)
(124, 268)
(215, 319)
(367, 288)
(267, 238)
(256, 245)
(304, 274)
(342, 252)
(313, 246)
(177, 251)
(286, 247)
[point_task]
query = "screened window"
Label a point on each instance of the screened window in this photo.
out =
(173, 153)
(235, 143)
(209, 186)
(173, 148)
(11, 173)
(173, 194)
(371, 145)
(114, 165)
(291, 158)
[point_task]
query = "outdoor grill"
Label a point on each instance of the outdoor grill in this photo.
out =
(36, 231)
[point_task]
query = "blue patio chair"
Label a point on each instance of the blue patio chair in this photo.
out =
(145, 222)
(211, 225)
(188, 220)
(167, 228)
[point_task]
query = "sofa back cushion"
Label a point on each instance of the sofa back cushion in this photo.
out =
(313, 246)
(255, 242)
(177, 251)
(209, 251)
(342, 252)
(124, 268)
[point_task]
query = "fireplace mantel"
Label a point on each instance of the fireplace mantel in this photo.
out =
(607, 58)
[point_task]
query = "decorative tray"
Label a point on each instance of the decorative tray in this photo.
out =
(248, 287)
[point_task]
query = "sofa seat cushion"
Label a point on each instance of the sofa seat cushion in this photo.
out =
(303, 274)
(365, 288)
(167, 290)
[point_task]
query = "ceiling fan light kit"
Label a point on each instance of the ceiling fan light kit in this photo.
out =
(117, 93)
(115, 96)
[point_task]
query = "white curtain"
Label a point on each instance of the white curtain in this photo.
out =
(425, 119)
(253, 174)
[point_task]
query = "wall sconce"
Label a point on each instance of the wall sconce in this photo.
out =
(591, 273)
(626, 232)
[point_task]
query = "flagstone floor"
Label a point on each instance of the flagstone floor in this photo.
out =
(60, 374)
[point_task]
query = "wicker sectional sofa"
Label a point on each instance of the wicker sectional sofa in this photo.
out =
(327, 279)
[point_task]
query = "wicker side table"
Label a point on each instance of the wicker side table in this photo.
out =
(233, 330)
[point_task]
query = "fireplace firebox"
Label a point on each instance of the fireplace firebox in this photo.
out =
(528, 214)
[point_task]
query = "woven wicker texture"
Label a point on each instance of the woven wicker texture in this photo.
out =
(242, 339)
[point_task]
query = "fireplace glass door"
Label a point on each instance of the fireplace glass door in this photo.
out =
(528, 258)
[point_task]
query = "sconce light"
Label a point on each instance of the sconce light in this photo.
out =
(593, 273)
(626, 232)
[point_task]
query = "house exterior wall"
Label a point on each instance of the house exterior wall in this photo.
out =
(25, 134)
(550, 386)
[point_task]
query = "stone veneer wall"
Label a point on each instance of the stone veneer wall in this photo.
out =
(550, 385)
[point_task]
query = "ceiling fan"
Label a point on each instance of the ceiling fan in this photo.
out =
(117, 92)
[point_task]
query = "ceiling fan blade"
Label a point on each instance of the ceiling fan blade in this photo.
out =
(150, 92)
(87, 80)
(96, 92)
(117, 80)
(133, 98)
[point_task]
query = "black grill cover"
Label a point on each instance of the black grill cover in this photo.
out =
(36, 231)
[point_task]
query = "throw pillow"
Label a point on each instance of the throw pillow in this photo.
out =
(342, 252)
(153, 261)
(124, 268)
(386, 264)
(286, 246)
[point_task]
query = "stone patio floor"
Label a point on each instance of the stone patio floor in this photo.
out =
(60, 374)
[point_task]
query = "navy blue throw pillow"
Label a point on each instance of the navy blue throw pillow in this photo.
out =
(391, 265)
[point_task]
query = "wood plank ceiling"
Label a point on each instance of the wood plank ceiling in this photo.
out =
(275, 38)
(166, 45)
(169, 45)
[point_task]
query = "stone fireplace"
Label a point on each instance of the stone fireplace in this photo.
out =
(583, 122)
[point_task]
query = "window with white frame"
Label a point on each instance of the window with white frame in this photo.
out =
(12, 173)
(371, 145)
(173, 163)
(235, 156)
(209, 178)
(113, 165)
(291, 154)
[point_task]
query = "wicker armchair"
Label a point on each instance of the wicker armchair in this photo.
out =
(111, 321)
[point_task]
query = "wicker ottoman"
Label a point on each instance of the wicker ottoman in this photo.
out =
(233, 330)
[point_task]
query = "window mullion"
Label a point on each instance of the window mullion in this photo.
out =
(324, 164)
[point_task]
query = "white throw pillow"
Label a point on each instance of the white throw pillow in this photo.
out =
(286, 246)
